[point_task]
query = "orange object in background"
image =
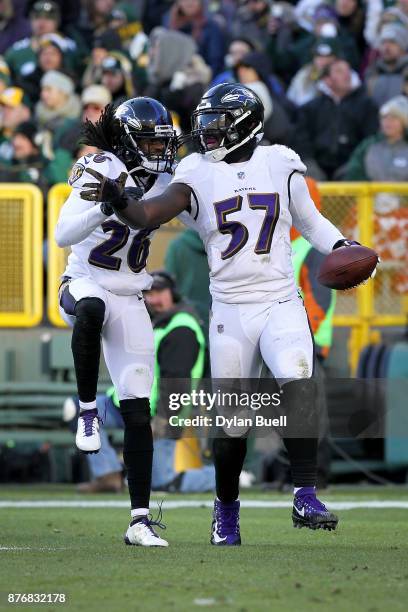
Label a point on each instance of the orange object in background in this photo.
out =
(315, 195)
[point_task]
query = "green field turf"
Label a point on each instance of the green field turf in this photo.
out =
(363, 566)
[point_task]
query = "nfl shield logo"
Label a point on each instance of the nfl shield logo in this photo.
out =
(220, 329)
(241, 175)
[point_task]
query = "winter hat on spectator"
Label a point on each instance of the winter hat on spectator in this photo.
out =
(29, 130)
(395, 32)
(111, 64)
(46, 9)
(60, 81)
(397, 107)
(325, 12)
(56, 40)
(12, 96)
(326, 46)
(109, 40)
(96, 94)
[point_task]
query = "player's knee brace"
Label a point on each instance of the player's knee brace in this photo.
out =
(90, 313)
(299, 404)
(135, 412)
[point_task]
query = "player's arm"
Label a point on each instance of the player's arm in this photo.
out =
(80, 216)
(313, 226)
(131, 209)
(77, 219)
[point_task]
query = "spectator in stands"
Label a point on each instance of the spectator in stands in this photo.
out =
(325, 24)
(384, 156)
(238, 47)
(103, 45)
(351, 17)
(58, 101)
(251, 21)
(117, 77)
(153, 12)
(304, 85)
(396, 12)
(22, 56)
(385, 77)
(283, 30)
(189, 17)
(331, 126)
(28, 163)
(13, 25)
(253, 71)
(13, 111)
(50, 56)
(96, 18)
(177, 75)
(93, 99)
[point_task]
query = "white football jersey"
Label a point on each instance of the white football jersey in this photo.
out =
(104, 248)
(243, 215)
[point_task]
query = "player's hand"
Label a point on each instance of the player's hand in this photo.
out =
(132, 193)
(348, 243)
(106, 189)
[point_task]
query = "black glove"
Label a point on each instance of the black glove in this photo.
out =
(105, 190)
(107, 209)
(344, 242)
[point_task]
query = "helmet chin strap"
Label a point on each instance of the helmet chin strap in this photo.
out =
(218, 154)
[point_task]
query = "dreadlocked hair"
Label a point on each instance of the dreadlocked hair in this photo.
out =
(101, 134)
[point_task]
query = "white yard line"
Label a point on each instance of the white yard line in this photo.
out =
(39, 548)
(196, 503)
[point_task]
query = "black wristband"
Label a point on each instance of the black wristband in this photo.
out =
(344, 242)
(106, 209)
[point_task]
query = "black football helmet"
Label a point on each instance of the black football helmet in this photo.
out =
(143, 124)
(227, 117)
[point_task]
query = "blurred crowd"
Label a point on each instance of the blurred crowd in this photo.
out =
(333, 76)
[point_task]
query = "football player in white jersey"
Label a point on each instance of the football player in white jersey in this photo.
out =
(243, 199)
(101, 290)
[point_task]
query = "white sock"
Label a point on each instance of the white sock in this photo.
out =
(136, 512)
(87, 405)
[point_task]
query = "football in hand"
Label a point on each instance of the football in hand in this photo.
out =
(347, 267)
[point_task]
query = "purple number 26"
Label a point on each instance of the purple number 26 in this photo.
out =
(103, 256)
(269, 202)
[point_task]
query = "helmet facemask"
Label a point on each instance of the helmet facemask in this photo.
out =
(142, 148)
(217, 132)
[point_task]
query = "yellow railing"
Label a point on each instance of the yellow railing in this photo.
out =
(57, 257)
(21, 265)
(360, 210)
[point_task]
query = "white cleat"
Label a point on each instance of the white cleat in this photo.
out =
(87, 436)
(141, 533)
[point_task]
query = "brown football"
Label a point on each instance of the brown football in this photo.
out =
(347, 267)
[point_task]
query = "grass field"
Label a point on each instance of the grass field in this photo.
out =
(363, 566)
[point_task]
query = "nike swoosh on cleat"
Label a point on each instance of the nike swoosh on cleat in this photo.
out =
(301, 512)
(217, 538)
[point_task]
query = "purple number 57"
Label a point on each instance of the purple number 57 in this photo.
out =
(269, 202)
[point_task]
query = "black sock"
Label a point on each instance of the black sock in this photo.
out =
(303, 460)
(229, 456)
(138, 450)
(301, 434)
